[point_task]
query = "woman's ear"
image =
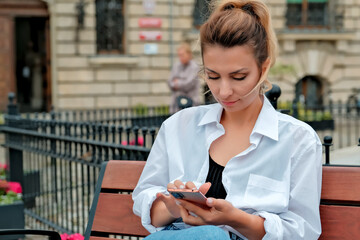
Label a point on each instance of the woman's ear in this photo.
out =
(266, 66)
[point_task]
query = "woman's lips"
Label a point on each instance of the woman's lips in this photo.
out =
(229, 103)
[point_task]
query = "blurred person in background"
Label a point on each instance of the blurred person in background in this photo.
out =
(183, 81)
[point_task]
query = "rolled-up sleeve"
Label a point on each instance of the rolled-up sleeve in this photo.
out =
(302, 220)
(154, 179)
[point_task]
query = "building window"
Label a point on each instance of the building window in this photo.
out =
(110, 26)
(307, 13)
(201, 12)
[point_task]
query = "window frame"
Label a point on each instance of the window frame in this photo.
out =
(112, 51)
(304, 23)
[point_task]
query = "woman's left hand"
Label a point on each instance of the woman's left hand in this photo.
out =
(219, 212)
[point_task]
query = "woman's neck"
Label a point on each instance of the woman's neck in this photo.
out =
(245, 116)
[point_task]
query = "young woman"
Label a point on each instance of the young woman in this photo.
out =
(260, 169)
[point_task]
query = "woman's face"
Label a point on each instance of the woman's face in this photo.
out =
(231, 74)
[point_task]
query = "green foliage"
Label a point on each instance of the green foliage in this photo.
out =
(162, 110)
(9, 198)
(306, 114)
(281, 69)
(2, 120)
(141, 109)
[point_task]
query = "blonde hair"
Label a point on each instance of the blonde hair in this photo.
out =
(185, 46)
(241, 23)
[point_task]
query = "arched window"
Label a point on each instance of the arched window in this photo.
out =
(309, 91)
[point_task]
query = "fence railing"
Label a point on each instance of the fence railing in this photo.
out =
(341, 120)
(57, 163)
(57, 158)
(134, 116)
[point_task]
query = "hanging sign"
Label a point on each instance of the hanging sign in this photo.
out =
(151, 49)
(149, 6)
(150, 35)
(150, 22)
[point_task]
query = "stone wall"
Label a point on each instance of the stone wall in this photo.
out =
(84, 79)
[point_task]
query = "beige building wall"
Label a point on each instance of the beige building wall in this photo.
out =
(83, 79)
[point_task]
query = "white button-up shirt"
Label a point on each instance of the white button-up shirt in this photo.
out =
(278, 177)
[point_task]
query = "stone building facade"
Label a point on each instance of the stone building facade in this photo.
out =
(324, 61)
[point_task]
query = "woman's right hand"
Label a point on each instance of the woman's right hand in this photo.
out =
(162, 202)
(170, 201)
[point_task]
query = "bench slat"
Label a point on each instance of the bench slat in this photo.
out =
(339, 222)
(336, 184)
(114, 215)
(122, 175)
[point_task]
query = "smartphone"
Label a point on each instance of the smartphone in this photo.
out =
(188, 194)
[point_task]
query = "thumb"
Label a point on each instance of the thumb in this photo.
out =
(163, 197)
(215, 203)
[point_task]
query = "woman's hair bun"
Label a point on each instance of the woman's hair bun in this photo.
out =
(248, 8)
(229, 6)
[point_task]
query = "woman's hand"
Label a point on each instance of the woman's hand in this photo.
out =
(222, 212)
(169, 203)
(218, 213)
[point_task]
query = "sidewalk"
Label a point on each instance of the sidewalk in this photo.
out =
(346, 156)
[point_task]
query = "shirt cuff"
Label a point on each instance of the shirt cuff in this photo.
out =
(147, 202)
(272, 225)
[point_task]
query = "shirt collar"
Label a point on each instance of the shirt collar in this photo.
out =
(266, 124)
(212, 115)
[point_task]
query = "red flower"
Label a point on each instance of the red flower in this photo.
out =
(64, 236)
(75, 236)
(132, 142)
(3, 166)
(15, 187)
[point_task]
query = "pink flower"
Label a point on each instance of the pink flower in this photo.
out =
(15, 187)
(64, 236)
(132, 142)
(76, 236)
(3, 166)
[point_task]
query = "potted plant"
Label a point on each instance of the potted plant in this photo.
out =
(11, 204)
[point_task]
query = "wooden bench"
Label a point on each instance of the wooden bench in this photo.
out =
(340, 203)
(111, 212)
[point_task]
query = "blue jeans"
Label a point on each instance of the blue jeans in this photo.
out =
(207, 232)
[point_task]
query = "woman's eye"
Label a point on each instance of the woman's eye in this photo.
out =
(239, 78)
(213, 77)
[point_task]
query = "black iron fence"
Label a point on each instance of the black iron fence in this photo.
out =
(135, 116)
(57, 163)
(341, 120)
(56, 156)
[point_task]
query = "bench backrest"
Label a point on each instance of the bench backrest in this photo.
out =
(340, 203)
(111, 211)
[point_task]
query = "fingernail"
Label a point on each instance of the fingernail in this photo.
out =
(209, 201)
(177, 202)
(182, 186)
(194, 188)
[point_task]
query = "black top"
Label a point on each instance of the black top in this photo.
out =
(214, 176)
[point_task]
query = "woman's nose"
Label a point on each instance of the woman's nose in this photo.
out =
(225, 89)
